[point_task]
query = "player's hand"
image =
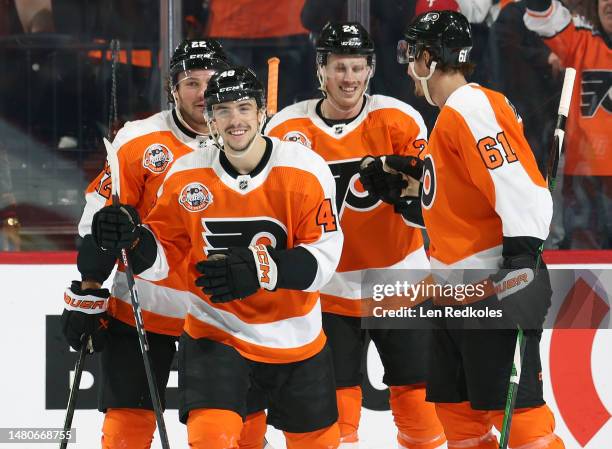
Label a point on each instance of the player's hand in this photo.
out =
(116, 227)
(391, 177)
(229, 276)
(379, 183)
(523, 292)
(85, 315)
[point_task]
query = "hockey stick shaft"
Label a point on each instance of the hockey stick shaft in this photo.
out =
(272, 100)
(551, 176)
(74, 391)
(140, 329)
(515, 377)
(76, 381)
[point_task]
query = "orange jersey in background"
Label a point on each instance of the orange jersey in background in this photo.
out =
(374, 235)
(205, 206)
(255, 19)
(588, 146)
(146, 149)
(481, 181)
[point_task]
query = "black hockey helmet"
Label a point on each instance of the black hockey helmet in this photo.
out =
(234, 84)
(445, 34)
(347, 38)
(204, 54)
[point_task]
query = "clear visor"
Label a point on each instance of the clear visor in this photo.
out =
(243, 109)
(195, 79)
(406, 52)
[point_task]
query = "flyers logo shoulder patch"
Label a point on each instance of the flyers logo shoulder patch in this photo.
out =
(195, 197)
(296, 136)
(157, 157)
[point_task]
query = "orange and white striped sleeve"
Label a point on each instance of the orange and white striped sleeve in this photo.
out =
(318, 229)
(489, 137)
(558, 28)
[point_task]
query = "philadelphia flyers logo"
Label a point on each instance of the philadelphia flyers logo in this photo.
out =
(296, 136)
(195, 197)
(429, 182)
(349, 191)
(223, 233)
(596, 92)
(157, 157)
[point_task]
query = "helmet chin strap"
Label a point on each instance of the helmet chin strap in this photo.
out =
(323, 80)
(423, 80)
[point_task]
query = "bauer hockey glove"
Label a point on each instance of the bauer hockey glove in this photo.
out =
(116, 227)
(85, 314)
(522, 289)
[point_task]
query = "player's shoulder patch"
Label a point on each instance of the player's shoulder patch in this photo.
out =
(299, 137)
(195, 197)
(157, 157)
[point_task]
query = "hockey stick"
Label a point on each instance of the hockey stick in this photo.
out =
(551, 176)
(74, 390)
(113, 163)
(272, 99)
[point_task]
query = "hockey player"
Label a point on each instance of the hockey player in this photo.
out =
(587, 184)
(253, 229)
(146, 150)
(485, 206)
(344, 127)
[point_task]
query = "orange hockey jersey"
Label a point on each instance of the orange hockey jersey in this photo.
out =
(481, 181)
(146, 150)
(375, 236)
(205, 206)
(588, 147)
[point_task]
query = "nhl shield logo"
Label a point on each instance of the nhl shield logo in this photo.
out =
(243, 184)
(195, 197)
(296, 136)
(157, 157)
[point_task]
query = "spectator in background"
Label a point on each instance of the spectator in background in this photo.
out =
(251, 31)
(587, 189)
(9, 223)
(528, 73)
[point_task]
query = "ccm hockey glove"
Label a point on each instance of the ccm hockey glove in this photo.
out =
(85, 314)
(229, 276)
(116, 227)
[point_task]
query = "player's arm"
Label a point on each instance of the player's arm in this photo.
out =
(395, 178)
(502, 167)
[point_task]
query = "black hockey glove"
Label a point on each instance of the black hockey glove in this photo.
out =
(382, 177)
(85, 315)
(229, 276)
(523, 293)
(411, 210)
(116, 227)
(378, 182)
